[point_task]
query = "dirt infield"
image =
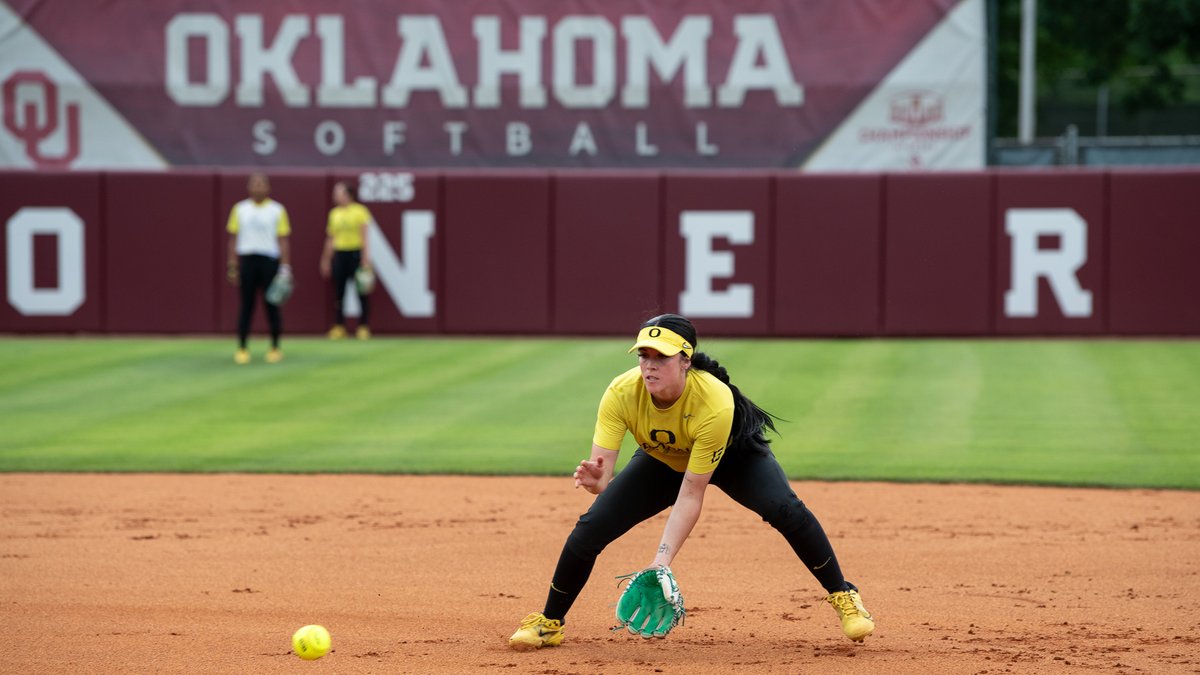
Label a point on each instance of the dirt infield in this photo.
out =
(212, 573)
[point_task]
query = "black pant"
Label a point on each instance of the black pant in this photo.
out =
(345, 264)
(255, 273)
(752, 477)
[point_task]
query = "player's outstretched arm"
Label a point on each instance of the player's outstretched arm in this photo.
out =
(593, 474)
(684, 515)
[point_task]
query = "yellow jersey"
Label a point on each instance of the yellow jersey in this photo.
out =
(691, 434)
(346, 225)
(258, 226)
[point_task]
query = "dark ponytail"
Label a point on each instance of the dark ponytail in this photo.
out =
(749, 420)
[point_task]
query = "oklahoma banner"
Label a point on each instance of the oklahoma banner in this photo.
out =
(854, 85)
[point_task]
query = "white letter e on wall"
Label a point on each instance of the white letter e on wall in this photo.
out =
(702, 264)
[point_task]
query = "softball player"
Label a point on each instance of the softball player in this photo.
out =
(258, 250)
(346, 251)
(693, 427)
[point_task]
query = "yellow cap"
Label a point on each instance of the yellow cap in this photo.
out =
(662, 340)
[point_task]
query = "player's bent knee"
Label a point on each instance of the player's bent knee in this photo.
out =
(585, 543)
(789, 515)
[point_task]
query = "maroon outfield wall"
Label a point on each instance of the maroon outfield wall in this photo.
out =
(827, 255)
(608, 248)
(497, 257)
(937, 254)
(158, 257)
(1154, 264)
(533, 252)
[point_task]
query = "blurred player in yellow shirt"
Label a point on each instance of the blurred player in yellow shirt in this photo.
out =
(259, 249)
(345, 252)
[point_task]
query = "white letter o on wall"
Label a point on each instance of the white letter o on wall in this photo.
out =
(69, 291)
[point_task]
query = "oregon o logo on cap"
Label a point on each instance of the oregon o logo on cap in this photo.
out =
(654, 332)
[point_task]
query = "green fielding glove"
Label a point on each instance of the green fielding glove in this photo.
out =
(281, 286)
(651, 604)
(364, 280)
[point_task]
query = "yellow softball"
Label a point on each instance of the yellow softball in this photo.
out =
(311, 642)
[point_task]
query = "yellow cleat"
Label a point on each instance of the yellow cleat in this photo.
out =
(856, 620)
(274, 356)
(241, 357)
(537, 631)
(337, 332)
(363, 333)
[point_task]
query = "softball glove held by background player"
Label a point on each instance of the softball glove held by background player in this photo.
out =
(651, 604)
(280, 288)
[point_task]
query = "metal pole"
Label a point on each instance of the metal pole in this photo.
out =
(1026, 124)
(993, 98)
(1102, 110)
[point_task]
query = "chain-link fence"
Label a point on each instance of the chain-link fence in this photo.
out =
(1096, 126)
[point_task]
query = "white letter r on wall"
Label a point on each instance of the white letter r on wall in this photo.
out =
(1059, 266)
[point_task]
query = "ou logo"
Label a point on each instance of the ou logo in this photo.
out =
(31, 129)
(69, 292)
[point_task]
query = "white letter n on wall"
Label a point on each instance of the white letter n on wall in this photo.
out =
(406, 279)
(702, 264)
(1059, 266)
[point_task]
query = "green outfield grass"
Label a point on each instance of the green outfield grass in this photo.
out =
(1119, 413)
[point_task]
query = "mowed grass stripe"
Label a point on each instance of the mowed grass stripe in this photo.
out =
(1062, 411)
